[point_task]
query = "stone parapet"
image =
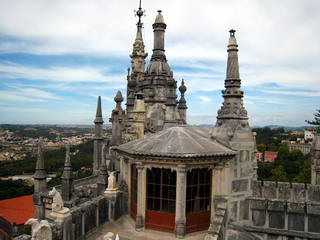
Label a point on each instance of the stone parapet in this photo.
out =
(295, 192)
(289, 216)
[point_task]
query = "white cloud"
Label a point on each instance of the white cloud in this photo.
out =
(57, 74)
(273, 47)
(293, 93)
(205, 99)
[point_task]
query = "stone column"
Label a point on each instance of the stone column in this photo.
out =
(216, 189)
(140, 197)
(181, 191)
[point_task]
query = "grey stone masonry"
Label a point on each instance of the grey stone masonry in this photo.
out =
(315, 160)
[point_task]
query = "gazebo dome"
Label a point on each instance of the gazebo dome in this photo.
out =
(180, 142)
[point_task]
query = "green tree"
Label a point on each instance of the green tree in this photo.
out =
(279, 174)
(261, 147)
(316, 120)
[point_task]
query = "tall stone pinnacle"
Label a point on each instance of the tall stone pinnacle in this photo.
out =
(67, 171)
(99, 118)
(67, 177)
(40, 172)
(233, 105)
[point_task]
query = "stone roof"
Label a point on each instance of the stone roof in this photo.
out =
(178, 141)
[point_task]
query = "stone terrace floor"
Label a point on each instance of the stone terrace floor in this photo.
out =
(125, 228)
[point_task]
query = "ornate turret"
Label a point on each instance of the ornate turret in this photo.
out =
(67, 177)
(40, 183)
(98, 126)
(182, 106)
(117, 120)
(233, 105)
(232, 129)
(158, 64)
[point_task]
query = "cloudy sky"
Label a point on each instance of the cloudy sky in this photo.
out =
(57, 56)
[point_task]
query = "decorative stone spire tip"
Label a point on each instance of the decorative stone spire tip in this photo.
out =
(99, 112)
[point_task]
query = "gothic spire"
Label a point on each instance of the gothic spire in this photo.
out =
(67, 171)
(40, 172)
(99, 112)
(232, 107)
(138, 55)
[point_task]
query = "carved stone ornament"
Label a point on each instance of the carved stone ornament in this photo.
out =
(57, 202)
(112, 182)
(41, 230)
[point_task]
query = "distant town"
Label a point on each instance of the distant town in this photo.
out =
(16, 141)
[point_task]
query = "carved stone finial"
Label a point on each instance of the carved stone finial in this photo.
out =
(182, 87)
(118, 98)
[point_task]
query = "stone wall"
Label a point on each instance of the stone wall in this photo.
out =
(89, 215)
(295, 192)
(279, 209)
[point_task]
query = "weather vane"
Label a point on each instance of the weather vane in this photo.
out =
(139, 13)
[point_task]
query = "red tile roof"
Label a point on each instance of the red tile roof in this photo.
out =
(18, 209)
(270, 156)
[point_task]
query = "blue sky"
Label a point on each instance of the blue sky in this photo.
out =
(56, 57)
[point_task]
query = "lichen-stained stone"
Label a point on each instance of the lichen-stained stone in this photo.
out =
(244, 209)
(298, 192)
(314, 223)
(258, 217)
(269, 190)
(233, 210)
(276, 220)
(295, 207)
(284, 191)
(239, 185)
(276, 206)
(296, 221)
(256, 188)
(314, 193)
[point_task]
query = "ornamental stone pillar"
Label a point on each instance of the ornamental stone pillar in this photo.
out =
(141, 186)
(181, 189)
